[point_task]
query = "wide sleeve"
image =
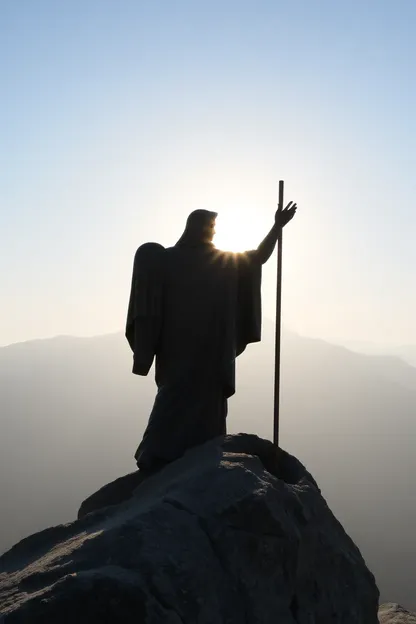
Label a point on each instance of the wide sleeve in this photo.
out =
(144, 316)
(248, 319)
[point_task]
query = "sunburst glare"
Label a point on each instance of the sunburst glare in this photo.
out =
(234, 231)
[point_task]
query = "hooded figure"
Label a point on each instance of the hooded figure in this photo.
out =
(195, 309)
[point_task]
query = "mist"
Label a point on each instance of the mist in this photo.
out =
(72, 415)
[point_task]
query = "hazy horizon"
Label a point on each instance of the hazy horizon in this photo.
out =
(403, 351)
(73, 414)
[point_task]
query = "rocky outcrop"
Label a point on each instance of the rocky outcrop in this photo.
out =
(393, 613)
(276, 461)
(112, 493)
(235, 531)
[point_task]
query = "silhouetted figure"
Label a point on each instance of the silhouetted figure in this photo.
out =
(195, 308)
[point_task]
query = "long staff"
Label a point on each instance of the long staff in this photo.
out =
(278, 324)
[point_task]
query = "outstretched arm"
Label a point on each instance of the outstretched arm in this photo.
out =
(282, 217)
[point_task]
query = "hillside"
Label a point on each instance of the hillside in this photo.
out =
(72, 415)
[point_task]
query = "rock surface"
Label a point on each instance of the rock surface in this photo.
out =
(111, 494)
(393, 613)
(234, 532)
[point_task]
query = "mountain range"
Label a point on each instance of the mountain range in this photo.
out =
(72, 415)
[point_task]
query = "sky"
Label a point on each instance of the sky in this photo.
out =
(118, 118)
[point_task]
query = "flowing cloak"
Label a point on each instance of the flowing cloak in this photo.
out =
(144, 316)
(194, 309)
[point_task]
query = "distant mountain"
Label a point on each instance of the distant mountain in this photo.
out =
(405, 352)
(72, 415)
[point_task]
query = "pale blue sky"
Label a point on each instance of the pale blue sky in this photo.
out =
(119, 117)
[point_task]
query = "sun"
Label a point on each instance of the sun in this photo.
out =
(234, 232)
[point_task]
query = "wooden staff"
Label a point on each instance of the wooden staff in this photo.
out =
(278, 324)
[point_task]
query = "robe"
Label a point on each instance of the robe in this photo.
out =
(194, 309)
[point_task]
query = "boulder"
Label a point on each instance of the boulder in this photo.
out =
(235, 531)
(280, 464)
(112, 493)
(393, 613)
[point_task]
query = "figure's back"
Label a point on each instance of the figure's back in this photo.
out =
(199, 284)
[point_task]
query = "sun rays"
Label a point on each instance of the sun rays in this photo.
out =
(234, 232)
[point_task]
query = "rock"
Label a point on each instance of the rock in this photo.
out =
(282, 465)
(235, 531)
(111, 494)
(393, 613)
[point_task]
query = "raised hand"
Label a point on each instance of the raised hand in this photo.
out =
(282, 217)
